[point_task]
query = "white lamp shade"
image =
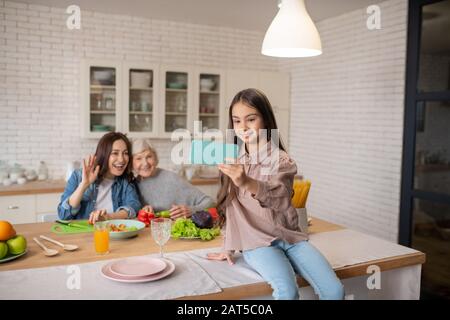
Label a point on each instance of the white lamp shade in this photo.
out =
(292, 33)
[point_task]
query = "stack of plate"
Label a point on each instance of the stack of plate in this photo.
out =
(138, 269)
(100, 127)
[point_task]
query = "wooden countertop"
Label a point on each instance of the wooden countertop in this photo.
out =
(34, 187)
(143, 244)
(57, 186)
(140, 245)
(203, 181)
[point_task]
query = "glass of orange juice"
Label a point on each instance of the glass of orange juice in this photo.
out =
(101, 237)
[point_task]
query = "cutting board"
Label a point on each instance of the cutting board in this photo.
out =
(65, 229)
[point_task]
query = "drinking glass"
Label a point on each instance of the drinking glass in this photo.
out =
(161, 228)
(101, 237)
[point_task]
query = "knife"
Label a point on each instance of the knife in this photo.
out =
(70, 224)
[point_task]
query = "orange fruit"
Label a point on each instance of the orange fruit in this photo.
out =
(6, 230)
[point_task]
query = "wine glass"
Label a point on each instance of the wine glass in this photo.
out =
(161, 229)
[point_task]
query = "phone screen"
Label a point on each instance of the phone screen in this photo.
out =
(212, 152)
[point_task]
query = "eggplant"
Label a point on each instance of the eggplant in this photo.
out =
(202, 219)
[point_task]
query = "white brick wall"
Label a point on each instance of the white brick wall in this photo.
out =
(39, 71)
(347, 119)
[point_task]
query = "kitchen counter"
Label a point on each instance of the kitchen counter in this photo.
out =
(401, 270)
(57, 186)
(140, 245)
(33, 187)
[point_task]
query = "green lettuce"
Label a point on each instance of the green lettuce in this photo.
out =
(186, 228)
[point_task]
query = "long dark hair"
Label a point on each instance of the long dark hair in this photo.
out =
(253, 98)
(104, 148)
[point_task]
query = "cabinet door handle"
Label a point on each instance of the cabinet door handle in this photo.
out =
(13, 207)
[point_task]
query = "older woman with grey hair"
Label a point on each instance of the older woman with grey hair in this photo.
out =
(162, 189)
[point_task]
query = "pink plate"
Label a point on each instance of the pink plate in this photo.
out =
(106, 272)
(138, 267)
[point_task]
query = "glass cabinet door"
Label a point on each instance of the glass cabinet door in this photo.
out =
(209, 101)
(176, 101)
(102, 99)
(140, 100)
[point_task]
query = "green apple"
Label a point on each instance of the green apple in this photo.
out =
(17, 245)
(3, 250)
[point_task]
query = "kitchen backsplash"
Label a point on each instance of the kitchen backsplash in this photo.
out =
(40, 72)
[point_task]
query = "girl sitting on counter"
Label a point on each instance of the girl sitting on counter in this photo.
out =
(255, 197)
(102, 190)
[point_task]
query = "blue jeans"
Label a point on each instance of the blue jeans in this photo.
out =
(279, 264)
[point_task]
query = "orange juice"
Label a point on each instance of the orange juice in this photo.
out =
(101, 241)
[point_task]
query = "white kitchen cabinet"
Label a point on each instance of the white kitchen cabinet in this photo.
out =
(209, 100)
(237, 80)
(276, 86)
(18, 209)
(101, 92)
(191, 94)
(177, 99)
(153, 100)
(28, 208)
(141, 105)
(47, 202)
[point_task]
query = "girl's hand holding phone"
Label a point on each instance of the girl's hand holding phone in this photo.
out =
(235, 171)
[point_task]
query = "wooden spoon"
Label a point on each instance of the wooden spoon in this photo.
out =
(67, 247)
(48, 252)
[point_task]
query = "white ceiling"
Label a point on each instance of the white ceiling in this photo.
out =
(240, 14)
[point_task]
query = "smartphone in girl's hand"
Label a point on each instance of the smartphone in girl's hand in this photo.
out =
(212, 152)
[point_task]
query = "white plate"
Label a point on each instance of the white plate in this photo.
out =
(106, 272)
(138, 267)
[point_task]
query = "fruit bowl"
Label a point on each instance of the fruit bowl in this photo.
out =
(10, 257)
(128, 224)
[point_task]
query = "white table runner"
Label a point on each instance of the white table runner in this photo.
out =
(188, 279)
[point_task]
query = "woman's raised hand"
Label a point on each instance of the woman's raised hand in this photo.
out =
(90, 171)
(221, 256)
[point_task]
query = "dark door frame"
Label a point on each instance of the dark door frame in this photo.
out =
(412, 96)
